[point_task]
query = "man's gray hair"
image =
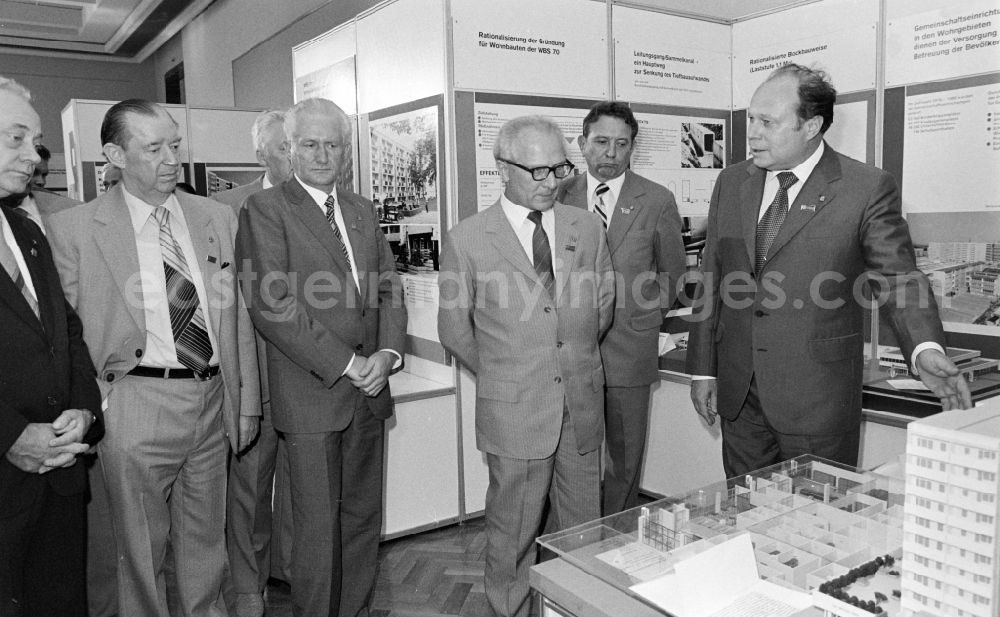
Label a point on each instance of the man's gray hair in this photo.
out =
(263, 122)
(9, 85)
(511, 130)
(315, 106)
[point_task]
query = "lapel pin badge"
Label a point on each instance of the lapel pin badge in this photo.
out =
(626, 210)
(34, 252)
(809, 207)
(211, 239)
(822, 198)
(211, 259)
(570, 247)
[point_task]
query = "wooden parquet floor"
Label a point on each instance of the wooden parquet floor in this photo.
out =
(433, 574)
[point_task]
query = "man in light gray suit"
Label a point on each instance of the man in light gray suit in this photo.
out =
(249, 520)
(527, 292)
(644, 237)
(152, 275)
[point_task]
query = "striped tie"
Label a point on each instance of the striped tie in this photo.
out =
(770, 223)
(9, 263)
(542, 253)
(599, 205)
(330, 203)
(187, 319)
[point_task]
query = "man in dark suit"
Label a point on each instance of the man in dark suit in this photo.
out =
(152, 274)
(647, 251)
(776, 343)
(49, 400)
(252, 481)
(527, 291)
(322, 288)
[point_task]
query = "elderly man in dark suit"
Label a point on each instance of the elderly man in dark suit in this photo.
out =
(527, 292)
(776, 347)
(152, 274)
(647, 252)
(321, 284)
(252, 474)
(49, 400)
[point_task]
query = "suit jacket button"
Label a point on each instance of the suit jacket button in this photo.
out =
(358, 347)
(109, 377)
(558, 380)
(138, 353)
(548, 309)
(559, 344)
(759, 314)
(53, 401)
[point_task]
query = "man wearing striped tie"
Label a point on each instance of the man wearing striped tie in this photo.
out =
(644, 236)
(48, 399)
(152, 275)
(323, 291)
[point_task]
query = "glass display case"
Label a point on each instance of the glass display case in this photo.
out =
(812, 523)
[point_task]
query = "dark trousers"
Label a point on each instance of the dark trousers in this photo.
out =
(750, 442)
(336, 484)
(42, 558)
(626, 422)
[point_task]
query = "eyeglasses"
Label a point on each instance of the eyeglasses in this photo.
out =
(541, 173)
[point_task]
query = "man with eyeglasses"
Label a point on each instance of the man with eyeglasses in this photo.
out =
(527, 292)
(644, 237)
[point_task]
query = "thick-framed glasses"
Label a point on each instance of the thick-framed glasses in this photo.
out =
(541, 173)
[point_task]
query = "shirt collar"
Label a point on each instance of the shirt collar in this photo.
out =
(803, 169)
(318, 196)
(615, 184)
(139, 210)
(265, 183)
(517, 215)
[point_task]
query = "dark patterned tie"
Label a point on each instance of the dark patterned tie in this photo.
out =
(187, 319)
(9, 263)
(330, 203)
(599, 206)
(542, 253)
(770, 223)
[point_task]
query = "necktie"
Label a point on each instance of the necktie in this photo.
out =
(9, 263)
(329, 204)
(187, 319)
(599, 205)
(542, 254)
(770, 223)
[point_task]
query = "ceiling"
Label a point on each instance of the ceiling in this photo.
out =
(127, 30)
(131, 30)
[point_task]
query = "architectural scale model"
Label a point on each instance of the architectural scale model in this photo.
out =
(952, 519)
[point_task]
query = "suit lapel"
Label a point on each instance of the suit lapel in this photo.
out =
(816, 193)
(356, 233)
(303, 206)
(751, 193)
(115, 239)
(627, 209)
(567, 236)
(506, 243)
(205, 241)
(9, 292)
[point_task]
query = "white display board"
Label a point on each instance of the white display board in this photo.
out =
(943, 41)
(951, 151)
(401, 54)
(684, 154)
(838, 36)
(491, 116)
(325, 67)
(211, 144)
(556, 47)
(848, 134)
(671, 60)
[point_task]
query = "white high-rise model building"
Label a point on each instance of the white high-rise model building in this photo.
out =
(951, 552)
